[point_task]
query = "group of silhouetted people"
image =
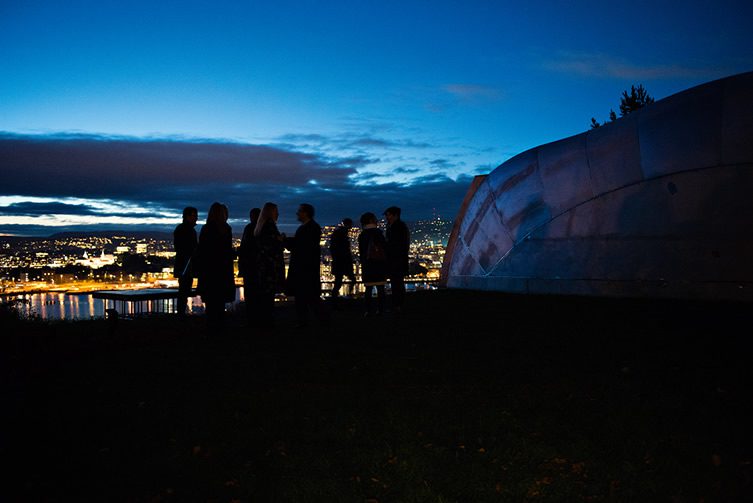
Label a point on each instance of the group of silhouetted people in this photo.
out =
(260, 263)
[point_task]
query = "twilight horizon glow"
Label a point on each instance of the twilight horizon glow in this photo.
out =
(118, 115)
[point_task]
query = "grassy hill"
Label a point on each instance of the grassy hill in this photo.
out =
(466, 396)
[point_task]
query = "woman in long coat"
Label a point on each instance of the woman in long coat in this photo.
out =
(270, 266)
(216, 284)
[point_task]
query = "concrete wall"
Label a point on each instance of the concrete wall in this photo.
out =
(656, 204)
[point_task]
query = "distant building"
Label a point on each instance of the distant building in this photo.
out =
(96, 262)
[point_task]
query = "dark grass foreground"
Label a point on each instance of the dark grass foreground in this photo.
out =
(467, 397)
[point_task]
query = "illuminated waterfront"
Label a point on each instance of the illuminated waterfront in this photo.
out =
(59, 306)
(54, 278)
(84, 306)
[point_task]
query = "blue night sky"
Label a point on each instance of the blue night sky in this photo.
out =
(116, 115)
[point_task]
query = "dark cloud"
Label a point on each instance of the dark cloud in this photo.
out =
(168, 174)
(296, 138)
(370, 142)
(428, 179)
(45, 231)
(100, 167)
(29, 209)
(418, 200)
(442, 164)
(351, 141)
(367, 141)
(33, 209)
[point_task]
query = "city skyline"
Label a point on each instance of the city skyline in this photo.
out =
(65, 269)
(117, 117)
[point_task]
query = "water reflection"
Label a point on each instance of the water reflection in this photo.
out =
(59, 306)
(83, 306)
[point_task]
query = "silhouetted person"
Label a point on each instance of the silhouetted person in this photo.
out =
(247, 268)
(304, 279)
(398, 244)
(373, 256)
(184, 243)
(216, 280)
(270, 266)
(342, 258)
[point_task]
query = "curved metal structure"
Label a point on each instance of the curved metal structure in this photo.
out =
(656, 204)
